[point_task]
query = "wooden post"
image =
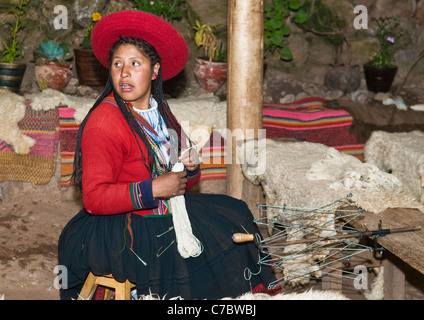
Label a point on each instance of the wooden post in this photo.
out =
(244, 85)
(394, 280)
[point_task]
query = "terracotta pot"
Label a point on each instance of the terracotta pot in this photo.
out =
(379, 79)
(90, 71)
(52, 75)
(11, 75)
(210, 75)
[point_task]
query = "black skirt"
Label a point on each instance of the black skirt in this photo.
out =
(102, 244)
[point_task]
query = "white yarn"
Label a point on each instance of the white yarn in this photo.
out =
(188, 244)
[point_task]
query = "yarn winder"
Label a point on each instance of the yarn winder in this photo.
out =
(247, 237)
(309, 243)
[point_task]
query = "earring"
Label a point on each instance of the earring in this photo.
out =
(154, 77)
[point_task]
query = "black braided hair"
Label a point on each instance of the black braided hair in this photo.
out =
(157, 91)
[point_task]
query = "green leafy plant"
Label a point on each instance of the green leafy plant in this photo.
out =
(50, 51)
(276, 29)
(389, 38)
(206, 37)
(86, 42)
(221, 54)
(10, 53)
(169, 9)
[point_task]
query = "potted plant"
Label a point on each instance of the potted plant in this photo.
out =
(210, 70)
(381, 69)
(90, 71)
(52, 69)
(11, 72)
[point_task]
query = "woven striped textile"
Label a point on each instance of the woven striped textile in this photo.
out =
(213, 164)
(308, 120)
(39, 165)
(303, 120)
(68, 140)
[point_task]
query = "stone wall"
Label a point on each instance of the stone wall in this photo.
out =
(312, 54)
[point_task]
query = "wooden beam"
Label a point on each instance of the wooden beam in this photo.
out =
(394, 281)
(244, 84)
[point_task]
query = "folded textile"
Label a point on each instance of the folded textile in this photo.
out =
(39, 165)
(67, 139)
(309, 120)
(213, 165)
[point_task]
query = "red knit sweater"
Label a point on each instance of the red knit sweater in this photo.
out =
(114, 175)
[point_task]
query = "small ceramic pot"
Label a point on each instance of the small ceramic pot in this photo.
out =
(210, 75)
(52, 75)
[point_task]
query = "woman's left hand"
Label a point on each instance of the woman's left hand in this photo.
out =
(190, 159)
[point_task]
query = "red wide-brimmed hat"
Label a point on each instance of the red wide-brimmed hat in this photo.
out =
(167, 41)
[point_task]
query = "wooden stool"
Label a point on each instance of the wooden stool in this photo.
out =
(122, 289)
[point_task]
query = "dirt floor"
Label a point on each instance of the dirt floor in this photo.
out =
(29, 232)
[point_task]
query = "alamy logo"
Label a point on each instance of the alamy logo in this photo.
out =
(361, 280)
(61, 280)
(61, 20)
(361, 20)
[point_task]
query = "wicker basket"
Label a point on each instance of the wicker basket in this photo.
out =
(31, 168)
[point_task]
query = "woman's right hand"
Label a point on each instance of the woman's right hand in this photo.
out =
(169, 184)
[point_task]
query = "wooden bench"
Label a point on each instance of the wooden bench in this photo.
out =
(400, 249)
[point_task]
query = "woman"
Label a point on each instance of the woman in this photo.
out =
(126, 148)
